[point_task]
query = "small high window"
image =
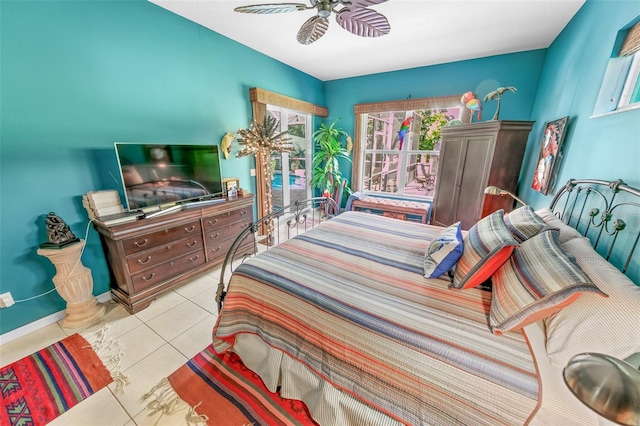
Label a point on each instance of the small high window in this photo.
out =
(620, 90)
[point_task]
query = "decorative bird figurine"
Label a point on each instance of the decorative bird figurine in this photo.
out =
(470, 101)
(404, 128)
(225, 144)
(497, 95)
(349, 146)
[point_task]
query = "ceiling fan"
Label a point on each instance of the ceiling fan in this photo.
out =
(352, 15)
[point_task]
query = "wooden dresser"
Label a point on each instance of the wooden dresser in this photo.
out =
(150, 257)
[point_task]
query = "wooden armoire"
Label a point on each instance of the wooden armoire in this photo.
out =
(472, 157)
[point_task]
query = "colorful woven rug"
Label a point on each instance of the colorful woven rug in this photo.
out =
(38, 388)
(223, 391)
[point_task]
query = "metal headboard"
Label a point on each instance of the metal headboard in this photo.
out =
(280, 225)
(606, 212)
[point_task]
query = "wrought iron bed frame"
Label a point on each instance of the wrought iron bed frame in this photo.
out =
(297, 217)
(595, 219)
(574, 204)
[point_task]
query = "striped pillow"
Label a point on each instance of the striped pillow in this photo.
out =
(538, 280)
(524, 223)
(487, 245)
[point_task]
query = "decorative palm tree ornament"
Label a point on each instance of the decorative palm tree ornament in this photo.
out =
(261, 140)
(496, 95)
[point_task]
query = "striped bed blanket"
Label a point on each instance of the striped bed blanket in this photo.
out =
(349, 301)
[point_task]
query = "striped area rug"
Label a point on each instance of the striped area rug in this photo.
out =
(38, 388)
(221, 390)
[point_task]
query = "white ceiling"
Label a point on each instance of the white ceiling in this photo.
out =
(423, 32)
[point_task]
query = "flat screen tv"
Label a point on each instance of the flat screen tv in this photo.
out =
(158, 174)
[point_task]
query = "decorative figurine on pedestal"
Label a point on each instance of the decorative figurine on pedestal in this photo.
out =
(73, 280)
(58, 232)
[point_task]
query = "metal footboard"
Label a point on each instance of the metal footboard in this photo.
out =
(277, 227)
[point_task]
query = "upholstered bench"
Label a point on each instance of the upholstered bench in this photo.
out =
(403, 209)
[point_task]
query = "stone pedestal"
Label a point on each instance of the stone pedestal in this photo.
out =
(74, 284)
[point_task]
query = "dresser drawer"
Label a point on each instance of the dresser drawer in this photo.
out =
(166, 271)
(227, 232)
(153, 239)
(215, 221)
(217, 251)
(150, 258)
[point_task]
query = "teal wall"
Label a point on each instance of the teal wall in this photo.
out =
(481, 76)
(606, 147)
(77, 76)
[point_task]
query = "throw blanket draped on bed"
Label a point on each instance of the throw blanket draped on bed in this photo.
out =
(348, 299)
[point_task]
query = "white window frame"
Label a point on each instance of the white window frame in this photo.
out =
(361, 112)
(621, 76)
(284, 125)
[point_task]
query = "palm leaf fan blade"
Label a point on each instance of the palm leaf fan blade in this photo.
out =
(312, 30)
(363, 22)
(359, 4)
(265, 9)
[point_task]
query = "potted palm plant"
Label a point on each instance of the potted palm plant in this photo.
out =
(329, 149)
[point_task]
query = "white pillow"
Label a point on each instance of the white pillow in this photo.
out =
(594, 324)
(443, 252)
(566, 232)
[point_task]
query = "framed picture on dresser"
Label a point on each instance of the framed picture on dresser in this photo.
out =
(553, 136)
(228, 185)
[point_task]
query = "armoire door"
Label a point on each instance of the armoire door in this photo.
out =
(479, 150)
(452, 159)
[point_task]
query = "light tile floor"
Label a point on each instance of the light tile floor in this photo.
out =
(157, 341)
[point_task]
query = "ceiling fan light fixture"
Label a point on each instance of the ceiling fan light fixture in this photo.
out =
(354, 16)
(324, 9)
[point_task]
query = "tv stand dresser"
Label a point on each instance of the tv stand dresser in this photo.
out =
(152, 256)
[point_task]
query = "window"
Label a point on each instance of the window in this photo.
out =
(620, 90)
(289, 181)
(383, 162)
(260, 100)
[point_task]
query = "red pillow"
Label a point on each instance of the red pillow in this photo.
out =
(487, 246)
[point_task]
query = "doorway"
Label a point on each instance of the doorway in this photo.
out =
(291, 171)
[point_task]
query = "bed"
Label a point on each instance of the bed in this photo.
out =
(344, 318)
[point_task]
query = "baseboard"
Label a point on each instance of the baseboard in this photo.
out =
(42, 322)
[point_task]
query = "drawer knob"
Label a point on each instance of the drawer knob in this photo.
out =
(215, 250)
(214, 236)
(190, 229)
(244, 225)
(142, 244)
(144, 262)
(166, 231)
(193, 259)
(213, 222)
(169, 247)
(192, 244)
(243, 212)
(153, 274)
